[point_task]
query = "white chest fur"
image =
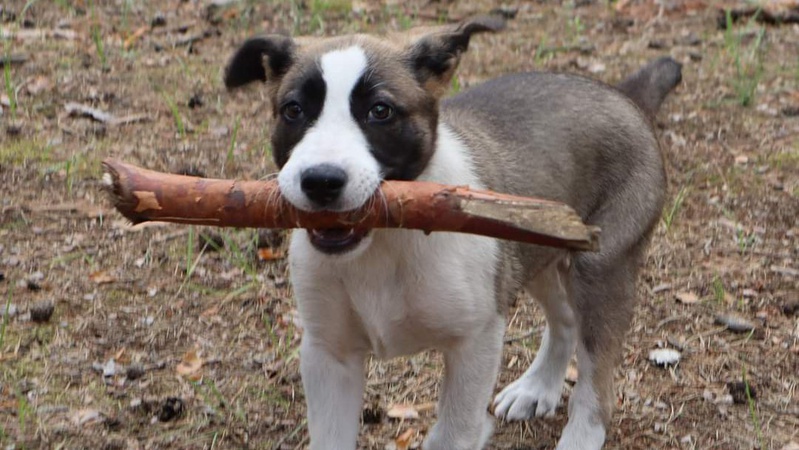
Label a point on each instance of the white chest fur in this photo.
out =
(405, 291)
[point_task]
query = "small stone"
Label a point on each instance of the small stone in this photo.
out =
(14, 129)
(196, 101)
(791, 308)
(134, 372)
(735, 323)
(159, 20)
(10, 309)
(690, 40)
(42, 311)
(664, 357)
(738, 392)
(109, 368)
(171, 409)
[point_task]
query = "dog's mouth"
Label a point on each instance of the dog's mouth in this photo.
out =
(336, 240)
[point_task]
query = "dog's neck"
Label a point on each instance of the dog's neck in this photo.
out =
(452, 161)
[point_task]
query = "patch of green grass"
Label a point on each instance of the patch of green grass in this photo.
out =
(455, 85)
(6, 318)
(746, 59)
(575, 29)
(671, 214)
(718, 290)
(319, 9)
(23, 151)
(752, 409)
(23, 411)
(9, 83)
(173, 108)
(232, 146)
(543, 53)
(97, 38)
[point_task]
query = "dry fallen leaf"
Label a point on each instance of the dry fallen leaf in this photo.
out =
(267, 254)
(404, 440)
(135, 37)
(86, 416)
(403, 412)
(102, 277)
(190, 365)
(688, 298)
(571, 373)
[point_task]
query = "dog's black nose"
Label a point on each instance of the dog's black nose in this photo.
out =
(323, 184)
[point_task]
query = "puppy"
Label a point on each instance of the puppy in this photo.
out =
(354, 110)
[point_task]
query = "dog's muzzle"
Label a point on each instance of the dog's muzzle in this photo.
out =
(323, 185)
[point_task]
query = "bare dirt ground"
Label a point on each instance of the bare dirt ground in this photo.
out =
(176, 337)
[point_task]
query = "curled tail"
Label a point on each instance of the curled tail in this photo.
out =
(652, 83)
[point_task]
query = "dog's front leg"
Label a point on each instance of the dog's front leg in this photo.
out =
(334, 386)
(471, 369)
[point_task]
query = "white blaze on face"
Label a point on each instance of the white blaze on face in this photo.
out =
(335, 138)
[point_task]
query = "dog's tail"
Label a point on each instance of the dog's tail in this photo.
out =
(652, 83)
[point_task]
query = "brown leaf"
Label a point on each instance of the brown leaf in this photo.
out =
(190, 365)
(102, 277)
(135, 37)
(403, 441)
(267, 254)
(687, 297)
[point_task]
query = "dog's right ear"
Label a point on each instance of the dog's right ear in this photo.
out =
(259, 59)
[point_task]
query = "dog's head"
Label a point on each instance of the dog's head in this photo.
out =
(351, 111)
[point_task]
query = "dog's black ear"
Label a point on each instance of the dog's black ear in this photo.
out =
(259, 59)
(435, 56)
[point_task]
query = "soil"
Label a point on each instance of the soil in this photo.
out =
(166, 336)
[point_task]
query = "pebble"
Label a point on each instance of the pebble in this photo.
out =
(664, 357)
(171, 409)
(109, 368)
(11, 308)
(159, 20)
(42, 311)
(738, 392)
(734, 322)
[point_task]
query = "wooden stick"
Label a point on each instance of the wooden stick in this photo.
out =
(144, 195)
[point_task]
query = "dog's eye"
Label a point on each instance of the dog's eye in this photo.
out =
(380, 112)
(292, 111)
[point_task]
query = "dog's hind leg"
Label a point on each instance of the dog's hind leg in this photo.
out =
(471, 368)
(537, 392)
(603, 295)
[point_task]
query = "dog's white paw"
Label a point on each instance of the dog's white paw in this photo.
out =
(440, 438)
(581, 434)
(527, 397)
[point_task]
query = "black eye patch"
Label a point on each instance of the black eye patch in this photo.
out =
(309, 97)
(399, 143)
